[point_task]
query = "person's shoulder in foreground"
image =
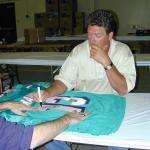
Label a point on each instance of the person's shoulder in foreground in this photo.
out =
(19, 137)
(14, 136)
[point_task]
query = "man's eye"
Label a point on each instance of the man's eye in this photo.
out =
(98, 36)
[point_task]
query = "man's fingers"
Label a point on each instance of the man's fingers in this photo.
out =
(79, 114)
(84, 115)
(22, 113)
(92, 53)
(19, 112)
(36, 97)
(37, 109)
(21, 106)
(32, 108)
(106, 47)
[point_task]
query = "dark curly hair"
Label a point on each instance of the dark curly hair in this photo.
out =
(104, 18)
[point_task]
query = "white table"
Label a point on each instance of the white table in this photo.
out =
(68, 38)
(134, 131)
(34, 58)
(83, 37)
(142, 59)
(52, 58)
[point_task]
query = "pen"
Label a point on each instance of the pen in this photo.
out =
(39, 95)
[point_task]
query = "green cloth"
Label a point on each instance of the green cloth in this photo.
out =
(107, 111)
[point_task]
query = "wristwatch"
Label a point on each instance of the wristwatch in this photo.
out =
(108, 67)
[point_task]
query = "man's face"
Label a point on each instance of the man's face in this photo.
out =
(98, 36)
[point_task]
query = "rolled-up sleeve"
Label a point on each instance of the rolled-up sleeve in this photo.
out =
(68, 72)
(126, 66)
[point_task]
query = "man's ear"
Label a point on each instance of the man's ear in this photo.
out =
(111, 34)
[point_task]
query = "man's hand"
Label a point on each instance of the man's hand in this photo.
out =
(44, 96)
(100, 55)
(18, 107)
(75, 117)
(51, 129)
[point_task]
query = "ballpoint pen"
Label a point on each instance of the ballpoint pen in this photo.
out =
(39, 95)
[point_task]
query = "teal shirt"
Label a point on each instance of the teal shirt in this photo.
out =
(107, 111)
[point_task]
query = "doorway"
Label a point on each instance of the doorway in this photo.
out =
(8, 32)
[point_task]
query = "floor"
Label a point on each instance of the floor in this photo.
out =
(43, 74)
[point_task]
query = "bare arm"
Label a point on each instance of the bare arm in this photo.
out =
(3, 106)
(47, 131)
(16, 107)
(57, 88)
(116, 79)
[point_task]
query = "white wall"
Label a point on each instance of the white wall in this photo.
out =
(86, 6)
(26, 8)
(130, 12)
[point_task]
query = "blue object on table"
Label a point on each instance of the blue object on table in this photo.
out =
(107, 111)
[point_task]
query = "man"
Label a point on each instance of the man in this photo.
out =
(100, 64)
(18, 137)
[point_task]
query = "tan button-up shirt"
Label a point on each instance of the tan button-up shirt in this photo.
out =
(82, 73)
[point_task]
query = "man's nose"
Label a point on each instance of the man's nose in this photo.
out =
(92, 39)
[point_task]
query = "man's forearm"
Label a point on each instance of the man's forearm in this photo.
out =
(117, 81)
(57, 88)
(4, 106)
(47, 131)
